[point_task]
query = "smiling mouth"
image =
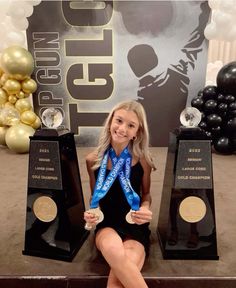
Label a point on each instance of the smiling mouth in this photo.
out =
(120, 135)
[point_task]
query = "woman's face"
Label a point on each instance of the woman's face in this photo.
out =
(124, 126)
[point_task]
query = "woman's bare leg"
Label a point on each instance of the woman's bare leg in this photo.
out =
(125, 259)
(134, 250)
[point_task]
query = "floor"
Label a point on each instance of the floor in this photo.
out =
(88, 265)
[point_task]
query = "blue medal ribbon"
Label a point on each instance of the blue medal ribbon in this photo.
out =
(103, 185)
(124, 177)
(121, 166)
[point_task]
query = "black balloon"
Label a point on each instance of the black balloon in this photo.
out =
(197, 102)
(223, 145)
(226, 79)
(208, 134)
(209, 106)
(222, 110)
(234, 144)
(203, 116)
(203, 125)
(220, 98)
(231, 126)
(222, 107)
(209, 92)
(216, 131)
(232, 106)
(232, 114)
(229, 98)
(200, 93)
(214, 120)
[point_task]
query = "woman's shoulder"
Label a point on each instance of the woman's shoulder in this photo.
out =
(144, 163)
(91, 158)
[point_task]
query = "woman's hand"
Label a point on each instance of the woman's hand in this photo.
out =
(90, 219)
(141, 216)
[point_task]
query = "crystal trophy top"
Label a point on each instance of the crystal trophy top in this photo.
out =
(52, 118)
(190, 117)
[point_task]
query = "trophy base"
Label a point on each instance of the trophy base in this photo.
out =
(186, 226)
(40, 248)
(55, 203)
(187, 133)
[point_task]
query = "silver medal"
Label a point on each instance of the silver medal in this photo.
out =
(98, 213)
(128, 217)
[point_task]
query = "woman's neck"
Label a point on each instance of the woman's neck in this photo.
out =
(118, 148)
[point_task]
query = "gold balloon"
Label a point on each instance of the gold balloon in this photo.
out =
(17, 138)
(17, 62)
(4, 78)
(3, 131)
(3, 96)
(20, 95)
(12, 99)
(9, 105)
(28, 117)
(37, 123)
(23, 105)
(29, 86)
(12, 86)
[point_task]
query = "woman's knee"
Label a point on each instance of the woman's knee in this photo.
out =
(110, 244)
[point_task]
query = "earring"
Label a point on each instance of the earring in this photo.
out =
(134, 138)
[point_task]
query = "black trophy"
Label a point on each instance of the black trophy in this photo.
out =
(186, 225)
(55, 204)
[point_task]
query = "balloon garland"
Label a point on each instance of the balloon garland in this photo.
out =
(17, 119)
(14, 21)
(218, 106)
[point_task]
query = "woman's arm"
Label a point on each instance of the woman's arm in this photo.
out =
(90, 160)
(146, 184)
(91, 218)
(144, 214)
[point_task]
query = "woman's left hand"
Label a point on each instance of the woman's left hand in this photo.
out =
(141, 216)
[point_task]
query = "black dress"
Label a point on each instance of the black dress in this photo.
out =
(115, 207)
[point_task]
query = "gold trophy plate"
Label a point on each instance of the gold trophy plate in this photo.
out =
(45, 209)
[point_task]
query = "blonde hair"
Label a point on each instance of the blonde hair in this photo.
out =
(138, 147)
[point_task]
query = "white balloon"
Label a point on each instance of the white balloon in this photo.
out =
(214, 4)
(210, 31)
(28, 9)
(4, 5)
(227, 6)
(221, 18)
(36, 2)
(15, 37)
(20, 24)
(16, 10)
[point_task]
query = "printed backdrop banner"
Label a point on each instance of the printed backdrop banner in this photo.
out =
(91, 55)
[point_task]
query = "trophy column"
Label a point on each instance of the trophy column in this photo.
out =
(55, 204)
(186, 225)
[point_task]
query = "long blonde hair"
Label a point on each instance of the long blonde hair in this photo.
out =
(138, 147)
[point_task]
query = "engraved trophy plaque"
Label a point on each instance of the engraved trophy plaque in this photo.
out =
(55, 204)
(186, 226)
